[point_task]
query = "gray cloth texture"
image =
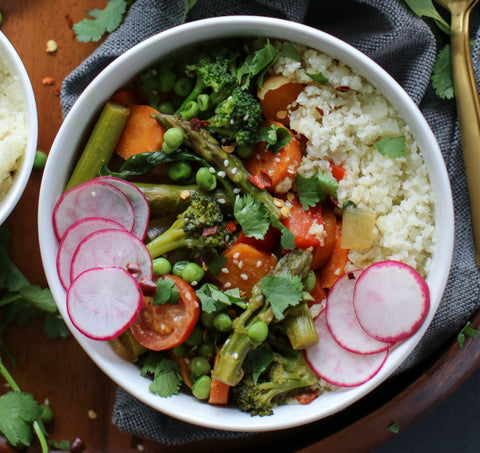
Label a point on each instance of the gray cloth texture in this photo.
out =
(403, 44)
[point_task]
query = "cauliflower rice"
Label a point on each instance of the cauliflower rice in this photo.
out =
(13, 128)
(342, 126)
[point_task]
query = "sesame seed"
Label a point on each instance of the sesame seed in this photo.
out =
(227, 285)
(221, 200)
(225, 270)
(235, 355)
(277, 159)
(211, 170)
(188, 296)
(236, 255)
(259, 263)
(221, 174)
(237, 190)
(93, 194)
(225, 163)
(240, 264)
(246, 117)
(244, 276)
(232, 121)
(234, 171)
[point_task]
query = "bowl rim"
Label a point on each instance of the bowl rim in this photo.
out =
(170, 40)
(17, 68)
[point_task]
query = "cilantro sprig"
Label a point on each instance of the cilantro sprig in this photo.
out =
(282, 291)
(165, 374)
(392, 147)
(467, 330)
(315, 188)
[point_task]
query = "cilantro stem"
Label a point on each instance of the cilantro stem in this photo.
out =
(10, 299)
(14, 386)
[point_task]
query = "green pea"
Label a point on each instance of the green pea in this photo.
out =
(310, 281)
(40, 160)
(207, 319)
(190, 111)
(172, 139)
(179, 170)
(178, 268)
(206, 349)
(46, 413)
(200, 366)
(201, 387)
(203, 101)
(222, 322)
(166, 79)
(166, 107)
(205, 179)
(182, 87)
(195, 338)
(161, 266)
(258, 332)
(192, 272)
(245, 151)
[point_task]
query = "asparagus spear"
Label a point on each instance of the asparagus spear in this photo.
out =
(299, 327)
(232, 355)
(101, 144)
(204, 144)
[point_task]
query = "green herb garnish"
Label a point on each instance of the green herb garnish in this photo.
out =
(392, 147)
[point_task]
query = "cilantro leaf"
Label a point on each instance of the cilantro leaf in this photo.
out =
(166, 292)
(189, 4)
(40, 298)
(309, 191)
(252, 215)
(260, 360)
(467, 330)
(257, 64)
(17, 412)
(274, 136)
(102, 21)
(287, 239)
(394, 428)
(213, 299)
(54, 326)
(392, 147)
(217, 263)
(167, 379)
(425, 8)
(442, 77)
(290, 51)
(318, 77)
(282, 291)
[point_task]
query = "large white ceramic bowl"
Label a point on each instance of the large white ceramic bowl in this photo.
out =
(80, 118)
(17, 71)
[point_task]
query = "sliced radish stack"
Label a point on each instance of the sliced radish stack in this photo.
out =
(92, 199)
(103, 302)
(72, 238)
(335, 364)
(342, 320)
(391, 300)
(106, 248)
(140, 205)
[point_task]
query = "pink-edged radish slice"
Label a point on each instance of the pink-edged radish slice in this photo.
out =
(92, 199)
(338, 366)
(72, 237)
(103, 302)
(107, 248)
(391, 300)
(140, 204)
(342, 320)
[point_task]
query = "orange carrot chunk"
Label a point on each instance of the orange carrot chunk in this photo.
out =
(219, 391)
(142, 133)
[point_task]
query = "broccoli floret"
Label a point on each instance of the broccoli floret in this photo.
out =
(237, 118)
(200, 226)
(285, 374)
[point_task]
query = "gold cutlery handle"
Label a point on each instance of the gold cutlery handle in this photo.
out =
(468, 108)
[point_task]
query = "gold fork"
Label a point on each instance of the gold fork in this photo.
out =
(468, 104)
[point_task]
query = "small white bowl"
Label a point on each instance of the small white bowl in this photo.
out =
(18, 72)
(140, 57)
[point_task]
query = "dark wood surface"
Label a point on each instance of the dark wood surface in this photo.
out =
(59, 370)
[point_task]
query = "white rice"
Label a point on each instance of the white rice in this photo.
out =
(13, 127)
(342, 127)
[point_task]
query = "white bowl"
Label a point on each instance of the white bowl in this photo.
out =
(18, 72)
(61, 159)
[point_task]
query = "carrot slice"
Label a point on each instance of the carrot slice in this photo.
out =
(244, 267)
(142, 133)
(335, 267)
(126, 97)
(322, 252)
(219, 391)
(272, 168)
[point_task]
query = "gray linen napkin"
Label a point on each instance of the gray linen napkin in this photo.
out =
(396, 39)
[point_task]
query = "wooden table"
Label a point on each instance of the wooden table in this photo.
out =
(59, 369)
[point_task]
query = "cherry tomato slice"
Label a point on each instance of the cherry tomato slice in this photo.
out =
(160, 327)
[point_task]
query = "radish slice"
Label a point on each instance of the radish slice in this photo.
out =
(107, 248)
(338, 366)
(92, 199)
(342, 320)
(72, 238)
(140, 204)
(391, 300)
(103, 302)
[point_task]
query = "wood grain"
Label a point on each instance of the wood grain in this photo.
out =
(60, 371)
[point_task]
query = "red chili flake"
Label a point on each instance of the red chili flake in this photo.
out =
(209, 231)
(56, 91)
(351, 276)
(148, 286)
(230, 226)
(198, 124)
(261, 180)
(48, 81)
(307, 397)
(319, 110)
(69, 20)
(343, 88)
